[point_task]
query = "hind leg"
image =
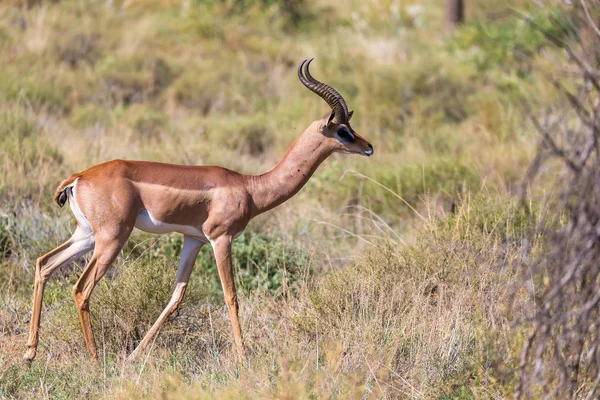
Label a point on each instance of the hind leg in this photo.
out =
(105, 252)
(80, 243)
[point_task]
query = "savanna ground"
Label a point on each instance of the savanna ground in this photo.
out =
(394, 276)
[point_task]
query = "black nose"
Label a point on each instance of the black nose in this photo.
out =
(370, 152)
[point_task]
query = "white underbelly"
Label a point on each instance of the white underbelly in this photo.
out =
(147, 223)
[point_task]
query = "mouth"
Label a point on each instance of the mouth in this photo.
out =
(369, 152)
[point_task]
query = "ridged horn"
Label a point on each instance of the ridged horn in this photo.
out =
(326, 92)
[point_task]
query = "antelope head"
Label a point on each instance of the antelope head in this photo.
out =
(335, 126)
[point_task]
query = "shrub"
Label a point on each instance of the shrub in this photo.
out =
(25, 154)
(7, 239)
(261, 263)
(33, 90)
(292, 11)
(559, 356)
(453, 281)
(135, 79)
(79, 48)
(511, 43)
(445, 179)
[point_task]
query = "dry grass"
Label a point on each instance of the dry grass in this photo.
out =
(389, 283)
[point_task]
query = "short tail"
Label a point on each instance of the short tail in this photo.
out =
(61, 196)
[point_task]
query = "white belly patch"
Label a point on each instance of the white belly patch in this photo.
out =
(147, 223)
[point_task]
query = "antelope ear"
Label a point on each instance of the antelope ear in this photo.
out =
(331, 117)
(350, 115)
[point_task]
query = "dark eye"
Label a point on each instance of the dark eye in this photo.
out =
(345, 135)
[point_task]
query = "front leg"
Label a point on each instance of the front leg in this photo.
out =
(191, 248)
(222, 249)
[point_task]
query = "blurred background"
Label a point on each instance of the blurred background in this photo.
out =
(385, 276)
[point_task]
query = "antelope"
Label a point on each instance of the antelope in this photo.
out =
(207, 204)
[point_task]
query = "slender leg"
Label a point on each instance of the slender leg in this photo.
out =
(191, 247)
(222, 250)
(104, 254)
(80, 243)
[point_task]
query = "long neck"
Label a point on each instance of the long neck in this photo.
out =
(289, 176)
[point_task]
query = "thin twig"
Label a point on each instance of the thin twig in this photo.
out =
(384, 187)
(589, 17)
(343, 230)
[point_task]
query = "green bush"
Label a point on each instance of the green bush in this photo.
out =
(443, 178)
(292, 11)
(135, 79)
(261, 263)
(512, 42)
(33, 90)
(268, 264)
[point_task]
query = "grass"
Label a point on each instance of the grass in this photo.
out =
(366, 325)
(391, 281)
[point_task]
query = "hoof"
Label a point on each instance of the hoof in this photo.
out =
(29, 355)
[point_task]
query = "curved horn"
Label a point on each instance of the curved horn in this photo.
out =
(326, 92)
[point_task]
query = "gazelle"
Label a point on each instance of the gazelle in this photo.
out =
(205, 204)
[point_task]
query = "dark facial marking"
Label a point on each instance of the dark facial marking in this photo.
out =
(344, 135)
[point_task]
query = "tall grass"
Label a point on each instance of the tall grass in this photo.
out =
(390, 281)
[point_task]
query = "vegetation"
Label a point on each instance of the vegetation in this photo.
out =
(397, 276)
